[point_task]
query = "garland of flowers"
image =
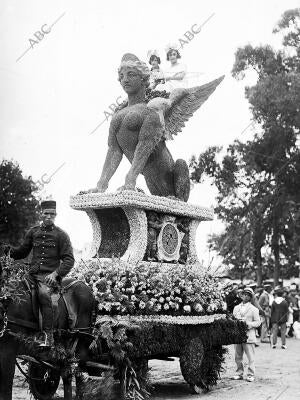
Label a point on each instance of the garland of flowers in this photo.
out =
(151, 289)
(149, 95)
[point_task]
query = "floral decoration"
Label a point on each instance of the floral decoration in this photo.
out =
(150, 288)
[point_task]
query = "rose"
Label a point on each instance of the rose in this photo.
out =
(187, 308)
(150, 304)
(166, 306)
(157, 307)
(142, 305)
(178, 299)
(107, 307)
(198, 307)
(161, 300)
(211, 307)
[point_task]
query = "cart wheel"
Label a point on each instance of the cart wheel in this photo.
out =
(201, 368)
(43, 381)
(196, 389)
(191, 359)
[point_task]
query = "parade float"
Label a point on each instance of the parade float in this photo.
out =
(153, 298)
(146, 276)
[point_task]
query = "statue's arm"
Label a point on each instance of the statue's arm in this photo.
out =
(113, 157)
(150, 135)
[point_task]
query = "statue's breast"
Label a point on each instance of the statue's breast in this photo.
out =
(133, 120)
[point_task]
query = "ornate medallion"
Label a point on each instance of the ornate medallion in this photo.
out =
(169, 242)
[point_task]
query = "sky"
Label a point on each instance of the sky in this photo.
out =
(58, 77)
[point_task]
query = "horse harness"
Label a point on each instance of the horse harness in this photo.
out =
(62, 294)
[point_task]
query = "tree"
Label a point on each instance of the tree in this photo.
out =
(242, 201)
(275, 103)
(259, 181)
(19, 208)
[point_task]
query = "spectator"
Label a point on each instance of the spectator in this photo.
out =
(264, 302)
(232, 299)
(296, 326)
(279, 317)
(294, 301)
(248, 313)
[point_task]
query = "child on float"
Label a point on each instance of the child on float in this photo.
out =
(247, 312)
(156, 73)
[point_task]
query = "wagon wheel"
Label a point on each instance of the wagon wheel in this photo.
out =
(201, 367)
(191, 360)
(43, 381)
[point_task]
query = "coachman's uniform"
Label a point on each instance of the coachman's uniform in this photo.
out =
(51, 251)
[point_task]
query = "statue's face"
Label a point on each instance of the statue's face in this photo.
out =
(130, 79)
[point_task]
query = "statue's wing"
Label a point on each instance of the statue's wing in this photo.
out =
(184, 102)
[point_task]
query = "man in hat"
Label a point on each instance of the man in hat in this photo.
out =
(52, 259)
(264, 302)
(248, 313)
(279, 317)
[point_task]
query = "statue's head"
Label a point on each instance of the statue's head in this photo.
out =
(133, 73)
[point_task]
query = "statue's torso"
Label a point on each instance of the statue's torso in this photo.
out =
(129, 121)
(159, 166)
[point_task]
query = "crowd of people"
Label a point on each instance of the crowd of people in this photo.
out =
(279, 309)
(268, 313)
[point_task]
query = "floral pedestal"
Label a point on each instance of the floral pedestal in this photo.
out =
(136, 227)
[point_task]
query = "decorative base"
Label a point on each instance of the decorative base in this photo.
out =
(136, 227)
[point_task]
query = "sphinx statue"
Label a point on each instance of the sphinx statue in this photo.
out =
(140, 129)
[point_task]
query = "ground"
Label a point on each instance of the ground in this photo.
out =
(277, 377)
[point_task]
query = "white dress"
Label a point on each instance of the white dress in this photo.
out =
(173, 83)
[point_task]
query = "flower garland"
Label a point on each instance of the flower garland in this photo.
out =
(150, 289)
(149, 95)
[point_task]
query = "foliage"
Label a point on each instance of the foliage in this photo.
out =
(19, 207)
(258, 181)
(114, 333)
(11, 273)
(150, 289)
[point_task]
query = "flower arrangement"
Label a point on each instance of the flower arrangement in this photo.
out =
(150, 289)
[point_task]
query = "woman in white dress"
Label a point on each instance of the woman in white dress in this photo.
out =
(175, 74)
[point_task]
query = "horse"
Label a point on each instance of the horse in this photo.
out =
(75, 308)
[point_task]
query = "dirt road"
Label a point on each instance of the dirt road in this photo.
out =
(277, 378)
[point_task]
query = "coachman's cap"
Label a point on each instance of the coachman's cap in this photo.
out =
(48, 205)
